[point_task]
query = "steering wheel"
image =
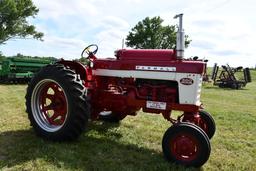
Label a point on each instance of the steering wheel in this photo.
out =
(88, 51)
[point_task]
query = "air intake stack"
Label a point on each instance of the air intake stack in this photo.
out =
(180, 40)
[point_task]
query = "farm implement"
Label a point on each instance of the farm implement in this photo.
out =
(62, 97)
(229, 77)
(20, 70)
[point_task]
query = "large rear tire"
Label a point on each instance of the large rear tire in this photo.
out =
(186, 144)
(56, 103)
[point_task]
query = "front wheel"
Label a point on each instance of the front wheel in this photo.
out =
(56, 103)
(186, 144)
(205, 122)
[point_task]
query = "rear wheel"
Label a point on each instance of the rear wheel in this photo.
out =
(186, 144)
(56, 103)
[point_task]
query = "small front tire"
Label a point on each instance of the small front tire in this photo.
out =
(207, 123)
(204, 120)
(186, 144)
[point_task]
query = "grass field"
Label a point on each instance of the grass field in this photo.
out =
(135, 143)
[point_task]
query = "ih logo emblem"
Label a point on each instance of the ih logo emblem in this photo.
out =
(186, 81)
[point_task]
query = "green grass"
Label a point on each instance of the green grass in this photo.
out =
(135, 143)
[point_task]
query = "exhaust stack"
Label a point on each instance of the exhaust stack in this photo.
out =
(180, 39)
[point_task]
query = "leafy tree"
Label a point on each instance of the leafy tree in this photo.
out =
(2, 57)
(19, 55)
(13, 20)
(151, 34)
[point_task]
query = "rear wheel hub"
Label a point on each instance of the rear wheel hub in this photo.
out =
(49, 105)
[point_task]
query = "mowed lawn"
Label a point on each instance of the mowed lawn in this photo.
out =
(135, 143)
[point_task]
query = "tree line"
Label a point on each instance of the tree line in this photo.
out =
(2, 57)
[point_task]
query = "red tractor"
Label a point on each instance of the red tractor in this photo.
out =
(62, 97)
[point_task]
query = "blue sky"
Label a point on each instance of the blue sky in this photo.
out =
(221, 30)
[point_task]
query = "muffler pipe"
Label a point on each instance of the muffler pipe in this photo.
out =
(180, 38)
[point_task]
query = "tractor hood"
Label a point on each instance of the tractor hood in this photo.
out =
(146, 54)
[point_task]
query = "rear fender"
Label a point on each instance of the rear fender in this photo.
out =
(84, 71)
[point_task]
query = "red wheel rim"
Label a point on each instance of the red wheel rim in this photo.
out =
(49, 105)
(53, 103)
(184, 147)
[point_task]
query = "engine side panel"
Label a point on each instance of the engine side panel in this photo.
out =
(188, 94)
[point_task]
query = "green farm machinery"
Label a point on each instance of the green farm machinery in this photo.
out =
(20, 70)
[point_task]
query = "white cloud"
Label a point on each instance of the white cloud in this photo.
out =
(114, 22)
(64, 42)
(221, 38)
(61, 8)
(110, 38)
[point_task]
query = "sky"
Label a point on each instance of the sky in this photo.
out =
(222, 31)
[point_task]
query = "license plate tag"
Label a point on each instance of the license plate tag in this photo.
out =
(156, 105)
